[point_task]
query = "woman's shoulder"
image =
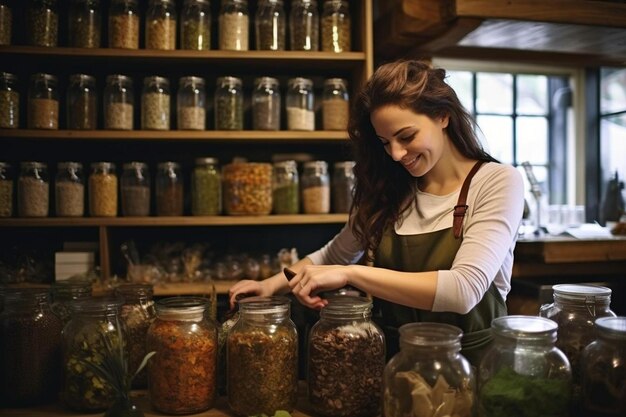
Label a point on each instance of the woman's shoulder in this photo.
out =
(496, 171)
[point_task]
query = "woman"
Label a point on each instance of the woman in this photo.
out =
(435, 213)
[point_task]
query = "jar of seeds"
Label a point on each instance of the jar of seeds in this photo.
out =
(206, 183)
(229, 104)
(33, 190)
(234, 25)
(103, 190)
(161, 25)
(304, 22)
(195, 25)
(286, 188)
(191, 104)
(300, 104)
(247, 188)
(266, 104)
(118, 103)
(315, 188)
(6, 190)
(335, 104)
(135, 189)
(69, 188)
(82, 102)
(43, 102)
(169, 189)
(6, 23)
(124, 24)
(155, 103)
(84, 21)
(9, 101)
(42, 23)
(270, 26)
(343, 186)
(64, 292)
(336, 26)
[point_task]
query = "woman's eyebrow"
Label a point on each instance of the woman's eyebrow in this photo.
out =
(396, 133)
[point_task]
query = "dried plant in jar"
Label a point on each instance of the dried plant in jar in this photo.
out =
(336, 26)
(43, 113)
(119, 116)
(234, 25)
(33, 190)
(124, 25)
(70, 199)
(103, 190)
(195, 25)
(84, 24)
(161, 34)
(42, 23)
(6, 197)
(6, 24)
(155, 111)
(9, 101)
(247, 188)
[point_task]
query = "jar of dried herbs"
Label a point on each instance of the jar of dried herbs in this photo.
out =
(103, 190)
(69, 190)
(247, 188)
(182, 376)
(262, 358)
(304, 22)
(135, 189)
(336, 26)
(169, 189)
(266, 104)
(191, 104)
(155, 103)
(429, 363)
(161, 25)
(335, 104)
(9, 101)
(228, 104)
(343, 183)
(234, 31)
(195, 25)
(43, 102)
(84, 23)
(315, 188)
(286, 188)
(65, 292)
(124, 24)
(119, 102)
(82, 102)
(6, 190)
(206, 184)
(6, 23)
(42, 23)
(270, 26)
(524, 370)
(33, 190)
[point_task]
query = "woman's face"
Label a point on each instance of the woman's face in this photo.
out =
(411, 139)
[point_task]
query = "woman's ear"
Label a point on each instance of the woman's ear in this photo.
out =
(444, 121)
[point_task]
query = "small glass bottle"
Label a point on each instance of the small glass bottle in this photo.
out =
(6, 190)
(234, 30)
(82, 102)
(43, 102)
(300, 104)
(9, 101)
(119, 103)
(42, 23)
(195, 25)
(103, 190)
(336, 26)
(335, 104)
(286, 188)
(229, 104)
(206, 183)
(33, 190)
(84, 21)
(6, 23)
(124, 24)
(304, 22)
(266, 104)
(270, 26)
(169, 189)
(315, 188)
(69, 190)
(343, 183)
(247, 188)
(155, 103)
(65, 292)
(191, 104)
(135, 189)
(161, 25)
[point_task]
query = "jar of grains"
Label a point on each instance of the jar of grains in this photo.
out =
(228, 104)
(304, 22)
(191, 103)
(263, 343)
(269, 24)
(69, 190)
(135, 189)
(206, 184)
(155, 103)
(124, 24)
(118, 102)
(300, 104)
(84, 23)
(103, 190)
(6, 190)
(33, 190)
(335, 104)
(315, 188)
(346, 359)
(182, 376)
(336, 26)
(195, 25)
(42, 23)
(247, 188)
(82, 102)
(6, 23)
(43, 102)
(169, 189)
(266, 104)
(233, 24)
(65, 292)
(30, 348)
(286, 188)
(9, 101)
(161, 25)
(343, 186)
(429, 362)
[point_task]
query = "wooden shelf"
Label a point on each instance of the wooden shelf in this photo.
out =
(181, 288)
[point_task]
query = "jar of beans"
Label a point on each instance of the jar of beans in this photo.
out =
(6, 23)
(84, 24)
(269, 24)
(103, 190)
(43, 102)
(266, 104)
(9, 101)
(155, 103)
(195, 25)
(304, 22)
(315, 188)
(169, 189)
(82, 102)
(206, 183)
(286, 188)
(69, 190)
(33, 190)
(191, 103)
(343, 186)
(124, 24)
(247, 188)
(228, 104)
(300, 104)
(6, 190)
(42, 23)
(118, 102)
(161, 25)
(234, 24)
(135, 189)
(336, 26)
(335, 104)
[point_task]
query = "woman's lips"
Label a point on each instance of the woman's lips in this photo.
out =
(411, 163)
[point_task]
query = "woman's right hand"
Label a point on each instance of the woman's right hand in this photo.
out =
(248, 287)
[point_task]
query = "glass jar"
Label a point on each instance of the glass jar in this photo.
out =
(304, 22)
(69, 190)
(82, 102)
(84, 21)
(43, 102)
(286, 188)
(270, 27)
(6, 23)
(9, 101)
(103, 190)
(300, 104)
(191, 103)
(206, 184)
(155, 103)
(33, 190)
(234, 25)
(523, 370)
(228, 104)
(135, 189)
(124, 24)
(42, 23)
(6, 190)
(343, 186)
(263, 343)
(315, 188)
(336, 26)
(335, 104)
(161, 25)
(247, 188)
(603, 379)
(266, 104)
(118, 102)
(195, 25)
(182, 375)
(65, 292)
(346, 359)
(169, 189)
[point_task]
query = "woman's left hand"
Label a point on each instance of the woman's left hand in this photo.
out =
(313, 279)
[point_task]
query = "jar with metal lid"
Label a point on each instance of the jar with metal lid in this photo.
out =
(304, 22)
(286, 188)
(103, 190)
(336, 26)
(300, 104)
(9, 101)
(124, 24)
(65, 292)
(6, 23)
(69, 190)
(263, 343)
(161, 25)
(270, 26)
(182, 376)
(33, 190)
(119, 102)
(6, 190)
(42, 23)
(315, 188)
(195, 25)
(43, 102)
(82, 102)
(228, 104)
(346, 359)
(206, 184)
(169, 189)
(524, 370)
(343, 183)
(234, 30)
(191, 104)
(247, 188)
(429, 362)
(84, 23)
(155, 103)
(135, 189)
(266, 104)
(335, 104)
(30, 348)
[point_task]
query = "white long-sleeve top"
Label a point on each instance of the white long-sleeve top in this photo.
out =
(496, 202)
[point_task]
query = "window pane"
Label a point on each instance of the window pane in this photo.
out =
(612, 90)
(532, 140)
(461, 82)
(497, 136)
(532, 94)
(494, 93)
(613, 134)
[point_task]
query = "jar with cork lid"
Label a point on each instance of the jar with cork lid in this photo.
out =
(103, 190)
(119, 102)
(82, 102)
(124, 24)
(161, 25)
(9, 101)
(155, 103)
(234, 31)
(300, 104)
(335, 104)
(191, 102)
(315, 188)
(69, 189)
(33, 190)
(43, 102)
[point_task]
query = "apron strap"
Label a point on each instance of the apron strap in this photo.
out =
(461, 207)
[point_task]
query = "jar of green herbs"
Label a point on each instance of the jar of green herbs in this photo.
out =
(228, 104)
(206, 188)
(195, 25)
(286, 188)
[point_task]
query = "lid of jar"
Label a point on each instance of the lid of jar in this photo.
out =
(82, 78)
(156, 79)
(525, 327)
(118, 77)
(135, 165)
(612, 325)
(168, 165)
(44, 76)
(69, 164)
(71, 287)
(581, 290)
(192, 79)
(431, 334)
(336, 81)
(103, 165)
(345, 164)
(33, 164)
(228, 80)
(260, 81)
(304, 82)
(8, 76)
(95, 304)
(315, 164)
(209, 160)
(182, 305)
(264, 305)
(347, 303)
(135, 290)
(5, 164)
(13, 294)
(279, 2)
(290, 164)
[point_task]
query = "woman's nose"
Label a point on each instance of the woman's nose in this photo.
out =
(396, 151)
